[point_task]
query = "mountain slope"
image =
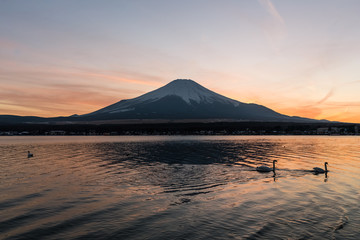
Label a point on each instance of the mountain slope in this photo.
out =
(186, 99)
(179, 100)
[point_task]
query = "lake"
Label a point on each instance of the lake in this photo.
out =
(179, 187)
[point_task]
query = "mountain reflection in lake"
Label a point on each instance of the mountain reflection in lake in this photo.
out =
(178, 188)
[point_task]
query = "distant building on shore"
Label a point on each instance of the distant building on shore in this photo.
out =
(323, 130)
(57, 132)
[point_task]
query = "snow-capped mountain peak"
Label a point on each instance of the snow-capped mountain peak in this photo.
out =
(184, 99)
(179, 100)
(189, 91)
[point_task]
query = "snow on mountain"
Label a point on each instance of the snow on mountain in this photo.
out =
(185, 99)
(188, 90)
(180, 99)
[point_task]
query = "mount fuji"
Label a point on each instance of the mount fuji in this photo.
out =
(184, 99)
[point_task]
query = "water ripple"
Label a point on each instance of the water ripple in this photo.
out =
(179, 188)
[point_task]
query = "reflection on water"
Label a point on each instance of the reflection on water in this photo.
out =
(179, 188)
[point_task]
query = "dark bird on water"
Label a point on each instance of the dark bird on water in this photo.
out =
(266, 168)
(320, 170)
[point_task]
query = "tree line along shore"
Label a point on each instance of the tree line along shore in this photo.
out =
(218, 128)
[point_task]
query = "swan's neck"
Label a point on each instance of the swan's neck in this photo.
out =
(326, 168)
(273, 166)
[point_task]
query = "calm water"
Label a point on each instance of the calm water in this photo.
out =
(179, 188)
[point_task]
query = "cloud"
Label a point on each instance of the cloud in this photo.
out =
(274, 29)
(270, 8)
(53, 100)
(51, 92)
(328, 95)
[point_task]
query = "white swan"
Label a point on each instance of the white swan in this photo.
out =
(30, 154)
(320, 170)
(266, 168)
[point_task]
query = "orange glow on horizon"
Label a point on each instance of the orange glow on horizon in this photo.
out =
(53, 102)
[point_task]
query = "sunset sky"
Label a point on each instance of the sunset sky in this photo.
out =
(64, 57)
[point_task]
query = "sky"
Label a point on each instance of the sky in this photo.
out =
(64, 57)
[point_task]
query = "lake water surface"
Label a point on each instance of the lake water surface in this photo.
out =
(179, 187)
